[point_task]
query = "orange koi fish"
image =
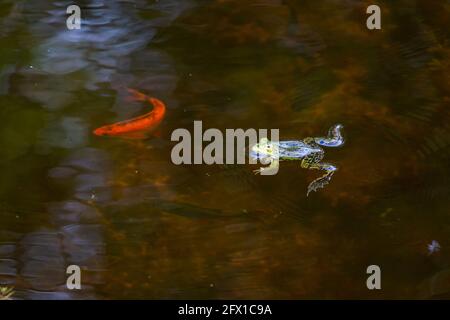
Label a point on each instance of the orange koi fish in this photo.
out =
(139, 127)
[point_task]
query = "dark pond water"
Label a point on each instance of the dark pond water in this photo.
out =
(142, 227)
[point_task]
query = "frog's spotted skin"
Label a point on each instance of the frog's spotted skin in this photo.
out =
(308, 151)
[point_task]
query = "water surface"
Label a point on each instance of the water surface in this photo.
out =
(143, 228)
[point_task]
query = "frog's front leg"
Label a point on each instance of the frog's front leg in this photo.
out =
(270, 170)
(323, 180)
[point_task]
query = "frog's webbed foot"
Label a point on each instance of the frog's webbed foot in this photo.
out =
(319, 183)
(323, 180)
(269, 170)
(334, 138)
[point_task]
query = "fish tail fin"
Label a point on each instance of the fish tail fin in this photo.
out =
(158, 105)
(136, 95)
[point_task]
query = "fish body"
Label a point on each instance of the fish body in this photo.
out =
(139, 127)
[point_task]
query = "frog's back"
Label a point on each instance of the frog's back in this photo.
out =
(295, 149)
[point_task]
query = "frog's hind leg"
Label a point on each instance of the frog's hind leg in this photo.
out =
(324, 179)
(334, 138)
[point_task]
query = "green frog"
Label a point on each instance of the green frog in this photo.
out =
(308, 151)
(6, 293)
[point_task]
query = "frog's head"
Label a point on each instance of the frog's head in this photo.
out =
(264, 149)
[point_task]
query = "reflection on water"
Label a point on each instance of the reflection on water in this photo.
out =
(141, 227)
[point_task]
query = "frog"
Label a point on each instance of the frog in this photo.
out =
(6, 293)
(308, 151)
